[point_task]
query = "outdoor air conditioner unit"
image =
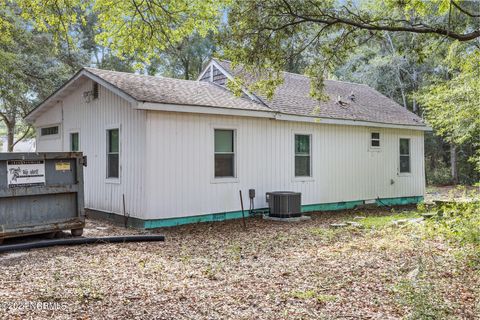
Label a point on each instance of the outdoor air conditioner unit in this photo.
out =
(284, 204)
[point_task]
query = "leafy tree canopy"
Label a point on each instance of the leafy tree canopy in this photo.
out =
(452, 102)
(329, 30)
(30, 70)
(128, 28)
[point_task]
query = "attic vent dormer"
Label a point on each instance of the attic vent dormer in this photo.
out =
(218, 77)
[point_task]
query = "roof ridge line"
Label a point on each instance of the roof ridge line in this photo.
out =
(143, 75)
(341, 81)
(306, 76)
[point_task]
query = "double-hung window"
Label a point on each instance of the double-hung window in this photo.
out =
(302, 155)
(113, 153)
(224, 153)
(404, 166)
(375, 140)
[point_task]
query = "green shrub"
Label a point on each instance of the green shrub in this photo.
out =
(457, 221)
(439, 176)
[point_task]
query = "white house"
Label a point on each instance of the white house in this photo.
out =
(178, 151)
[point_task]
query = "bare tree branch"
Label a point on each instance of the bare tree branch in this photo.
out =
(373, 27)
(456, 5)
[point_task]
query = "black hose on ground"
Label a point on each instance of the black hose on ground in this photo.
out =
(79, 241)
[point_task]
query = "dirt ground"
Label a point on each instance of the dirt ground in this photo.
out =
(271, 270)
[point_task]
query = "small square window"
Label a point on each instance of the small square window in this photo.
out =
(375, 139)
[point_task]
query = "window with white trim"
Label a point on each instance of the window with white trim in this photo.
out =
(302, 155)
(375, 140)
(224, 153)
(113, 153)
(49, 131)
(404, 166)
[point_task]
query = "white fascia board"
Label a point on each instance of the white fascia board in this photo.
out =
(51, 100)
(288, 117)
(268, 114)
(204, 110)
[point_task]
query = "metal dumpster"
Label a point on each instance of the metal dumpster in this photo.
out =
(41, 193)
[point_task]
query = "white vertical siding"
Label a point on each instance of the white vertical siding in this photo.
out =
(167, 162)
(180, 164)
(51, 117)
(92, 120)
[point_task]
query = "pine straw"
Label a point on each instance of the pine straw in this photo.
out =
(219, 271)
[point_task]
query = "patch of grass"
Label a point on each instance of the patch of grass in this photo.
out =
(87, 290)
(235, 251)
(312, 294)
(423, 303)
(303, 295)
(385, 220)
(326, 233)
(324, 298)
(212, 271)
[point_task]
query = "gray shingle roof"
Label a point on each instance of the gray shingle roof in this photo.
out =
(175, 91)
(293, 97)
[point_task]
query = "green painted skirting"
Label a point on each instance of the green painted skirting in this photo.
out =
(399, 201)
(332, 206)
(171, 222)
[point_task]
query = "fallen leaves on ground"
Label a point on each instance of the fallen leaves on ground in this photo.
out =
(272, 270)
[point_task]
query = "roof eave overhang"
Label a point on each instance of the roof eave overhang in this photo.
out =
(348, 122)
(271, 115)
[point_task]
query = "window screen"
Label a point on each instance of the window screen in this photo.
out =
(48, 131)
(404, 155)
(113, 153)
(375, 139)
(302, 155)
(74, 142)
(224, 153)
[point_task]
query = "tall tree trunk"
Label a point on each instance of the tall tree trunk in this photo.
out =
(186, 69)
(453, 163)
(10, 134)
(398, 73)
(415, 76)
